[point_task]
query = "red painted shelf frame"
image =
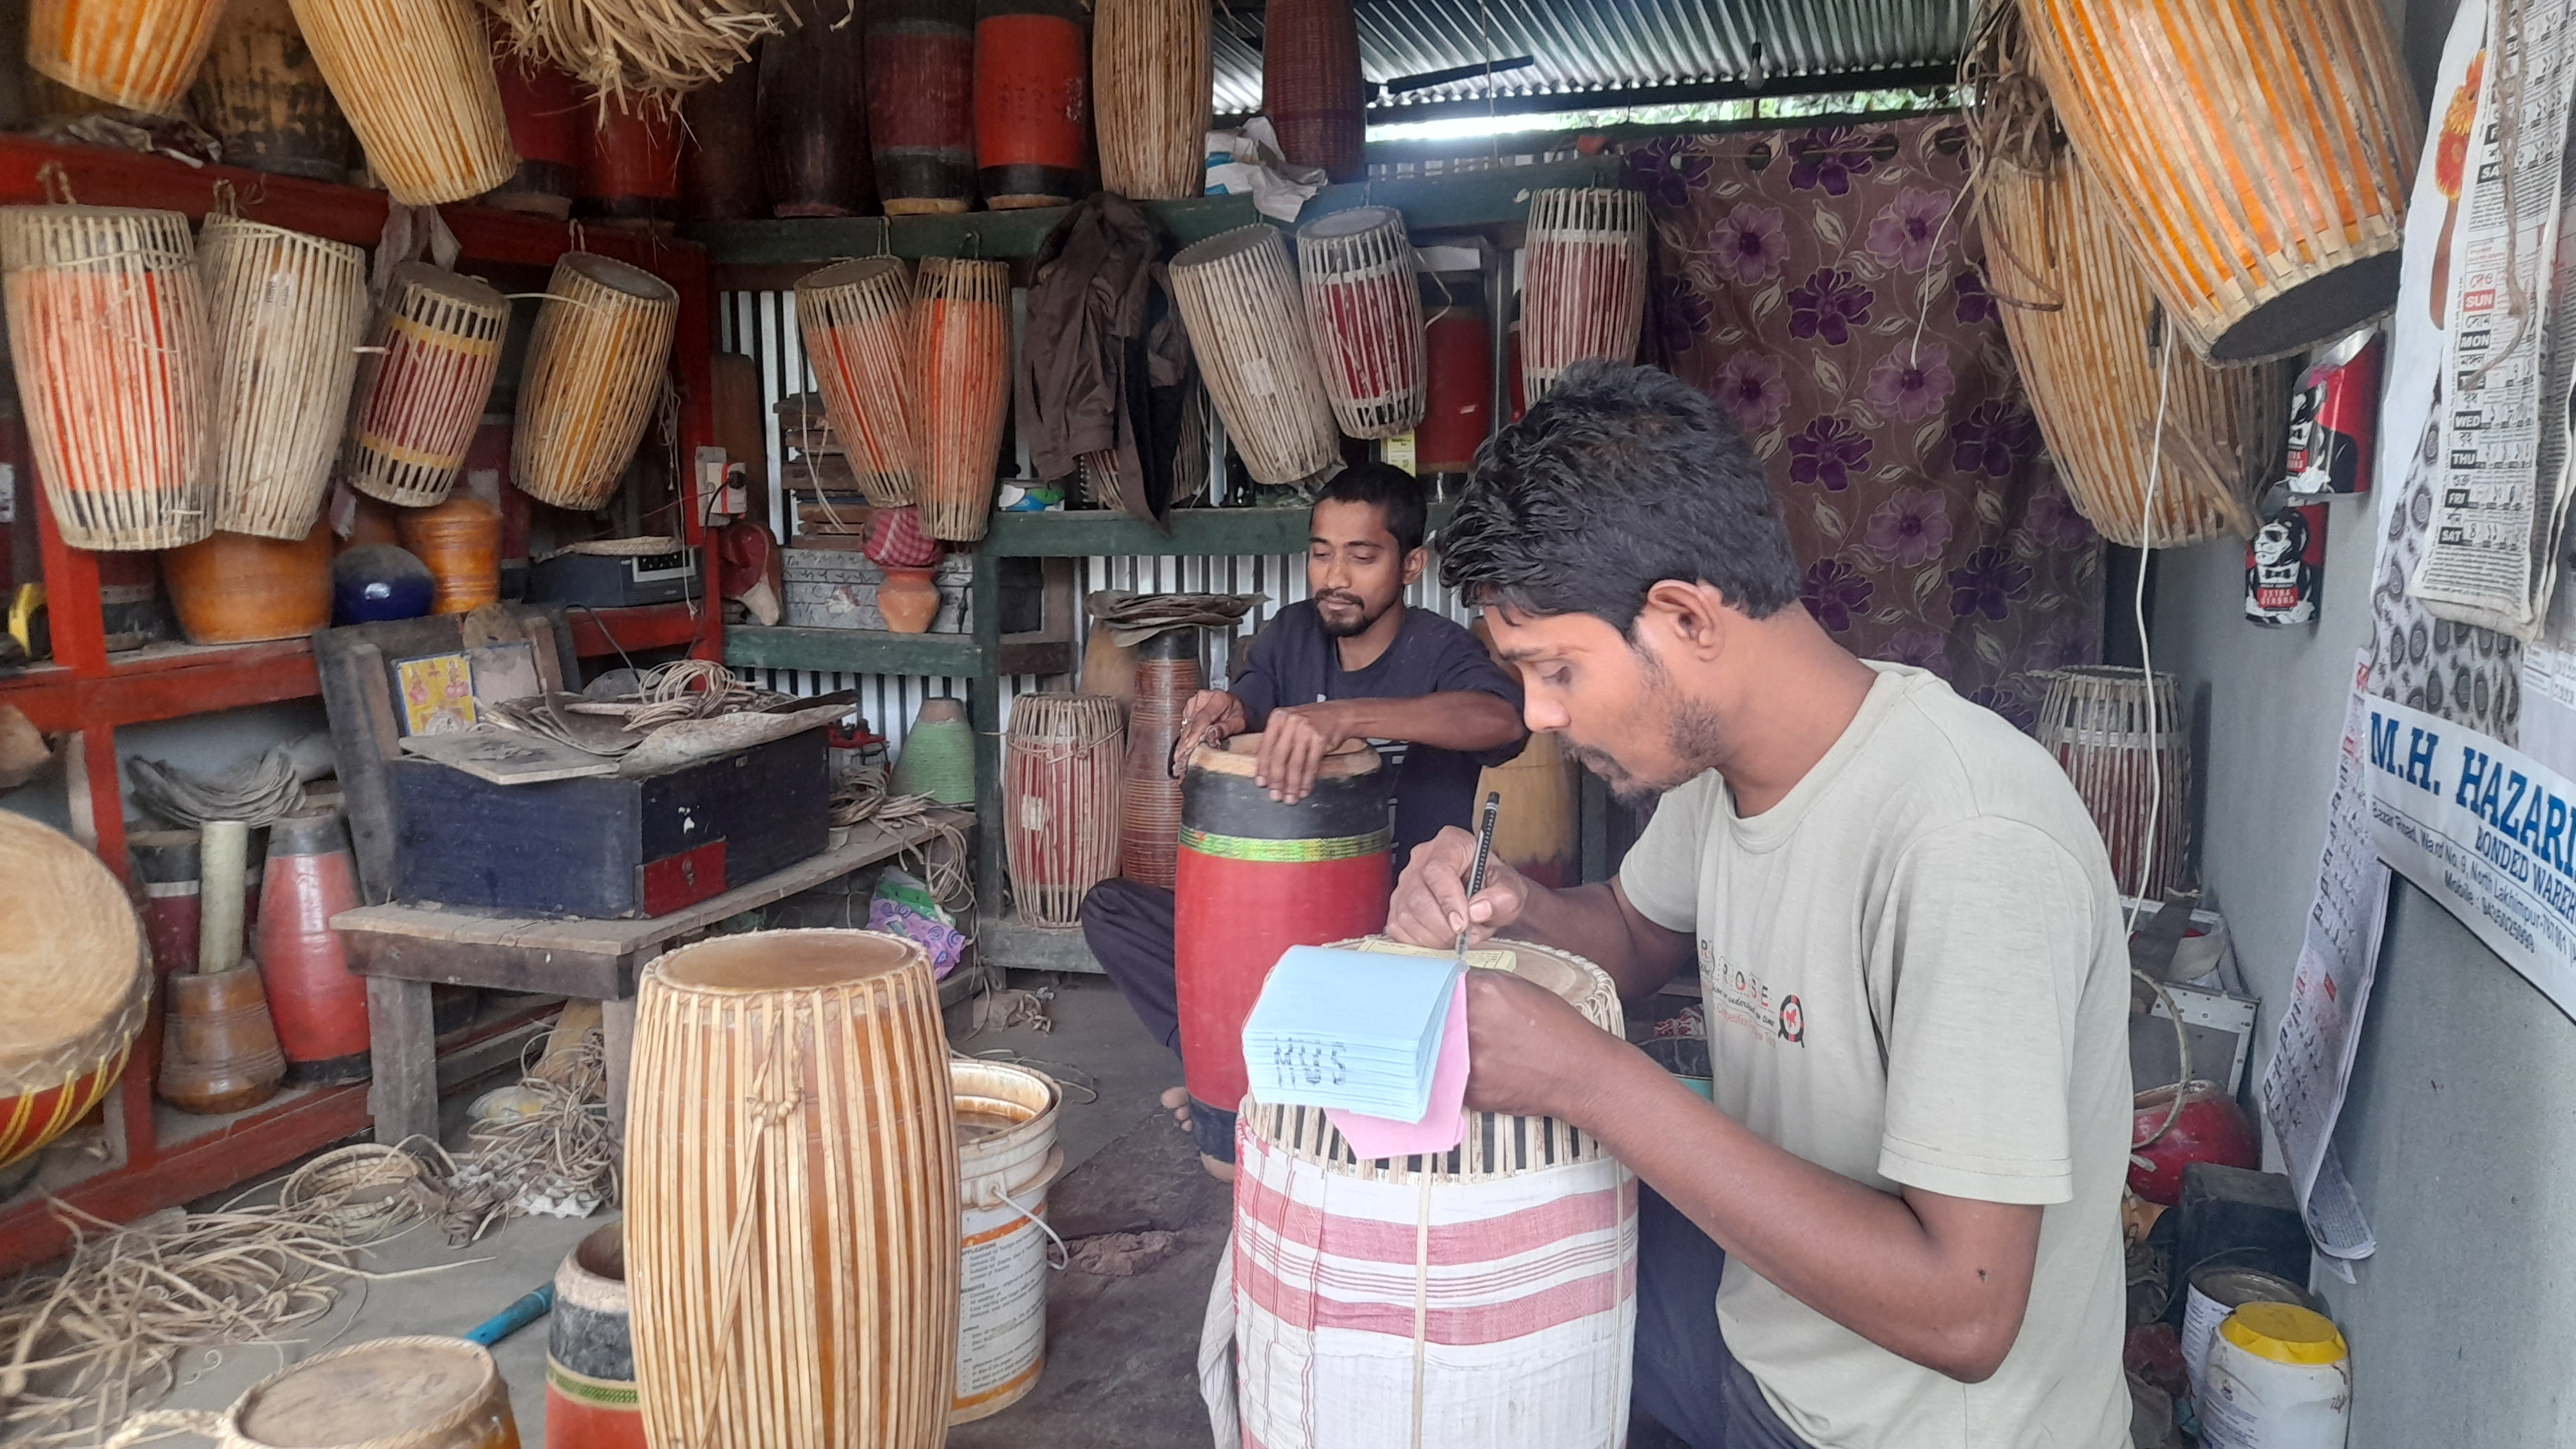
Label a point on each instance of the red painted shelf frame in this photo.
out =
(89, 694)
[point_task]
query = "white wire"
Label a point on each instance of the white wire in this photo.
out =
(2146, 657)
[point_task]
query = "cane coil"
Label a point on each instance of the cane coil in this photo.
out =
(140, 54)
(1364, 304)
(1239, 301)
(415, 79)
(109, 335)
(432, 354)
(74, 983)
(856, 318)
(1060, 801)
(963, 311)
(1583, 282)
(1152, 73)
(594, 373)
(287, 312)
(792, 1194)
(2127, 747)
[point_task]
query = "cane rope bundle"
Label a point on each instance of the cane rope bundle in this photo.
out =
(657, 49)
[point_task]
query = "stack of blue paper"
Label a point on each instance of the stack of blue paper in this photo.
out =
(1356, 1030)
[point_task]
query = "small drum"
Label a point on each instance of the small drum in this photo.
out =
(1583, 282)
(419, 399)
(549, 129)
(139, 54)
(630, 166)
(1238, 297)
(856, 318)
(1365, 309)
(1311, 87)
(1253, 878)
(288, 311)
(1536, 832)
(921, 104)
(1167, 674)
(1524, 1324)
(109, 333)
(2097, 376)
(963, 310)
(594, 373)
(165, 876)
(78, 982)
(415, 78)
(1060, 771)
(813, 115)
(721, 125)
(1032, 103)
(231, 588)
(392, 1393)
(792, 1194)
(2128, 749)
(2261, 249)
(265, 99)
(1152, 72)
(590, 1349)
(1458, 390)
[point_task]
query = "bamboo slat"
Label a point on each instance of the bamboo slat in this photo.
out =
(1060, 801)
(433, 351)
(1152, 74)
(2127, 747)
(1364, 304)
(1239, 299)
(594, 373)
(962, 313)
(288, 311)
(1583, 282)
(415, 79)
(856, 318)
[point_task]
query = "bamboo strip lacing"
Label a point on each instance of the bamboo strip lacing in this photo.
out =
(1061, 770)
(140, 54)
(1152, 75)
(2127, 766)
(962, 312)
(288, 311)
(415, 79)
(593, 374)
(1583, 282)
(1364, 303)
(432, 354)
(856, 321)
(1239, 300)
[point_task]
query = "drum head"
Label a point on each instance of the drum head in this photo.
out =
(71, 953)
(787, 960)
(1241, 241)
(471, 291)
(612, 273)
(392, 1388)
(1354, 222)
(1239, 755)
(850, 274)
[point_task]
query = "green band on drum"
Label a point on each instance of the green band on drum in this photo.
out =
(1286, 852)
(581, 1388)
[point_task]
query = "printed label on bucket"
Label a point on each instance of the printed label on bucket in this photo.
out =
(1001, 1311)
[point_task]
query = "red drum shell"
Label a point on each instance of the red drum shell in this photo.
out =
(317, 1004)
(1458, 410)
(1032, 109)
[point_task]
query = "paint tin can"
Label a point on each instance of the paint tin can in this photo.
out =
(2215, 1290)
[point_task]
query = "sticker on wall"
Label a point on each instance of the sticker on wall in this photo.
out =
(2332, 416)
(2285, 566)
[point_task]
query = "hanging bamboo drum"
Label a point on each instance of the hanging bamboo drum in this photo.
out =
(963, 311)
(139, 54)
(2090, 352)
(2128, 751)
(1238, 297)
(1583, 282)
(287, 311)
(921, 104)
(1364, 305)
(1152, 77)
(1060, 769)
(389, 1393)
(1310, 85)
(72, 963)
(2258, 154)
(594, 372)
(1032, 103)
(109, 335)
(415, 80)
(432, 354)
(856, 320)
(792, 1194)
(264, 98)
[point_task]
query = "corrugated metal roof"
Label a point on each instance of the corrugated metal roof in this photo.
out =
(1597, 45)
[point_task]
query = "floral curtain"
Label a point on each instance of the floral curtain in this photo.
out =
(1816, 284)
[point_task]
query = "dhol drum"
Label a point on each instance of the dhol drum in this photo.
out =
(140, 54)
(549, 124)
(1255, 877)
(2261, 250)
(1512, 1322)
(594, 372)
(1167, 674)
(109, 333)
(433, 352)
(921, 104)
(231, 588)
(1060, 769)
(1458, 389)
(963, 312)
(265, 99)
(590, 1349)
(1032, 103)
(1239, 300)
(2127, 746)
(288, 311)
(415, 79)
(1364, 307)
(1152, 74)
(1583, 282)
(1311, 87)
(630, 166)
(856, 319)
(792, 1194)
(392, 1393)
(2092, 354)
(813, 121)
(73, 964)
(719, 181)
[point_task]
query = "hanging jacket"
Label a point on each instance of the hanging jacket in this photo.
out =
(1104, 363)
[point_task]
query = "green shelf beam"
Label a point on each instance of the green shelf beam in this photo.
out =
(853, 651)
(1215, 532)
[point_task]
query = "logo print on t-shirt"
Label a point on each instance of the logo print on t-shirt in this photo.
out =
(1793, 1020)
(1740, 998)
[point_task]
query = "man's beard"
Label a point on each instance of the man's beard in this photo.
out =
(1691, 733)
(1333, 630)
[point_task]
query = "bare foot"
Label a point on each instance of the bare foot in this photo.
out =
(1221, 1171)
(1178, 1100)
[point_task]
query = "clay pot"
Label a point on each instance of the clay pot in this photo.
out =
(908, 599)
(220, 1051)
(236, 589)
(2211, 1128)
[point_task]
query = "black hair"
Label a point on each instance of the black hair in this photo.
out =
(1394, 493)
(1620, 478)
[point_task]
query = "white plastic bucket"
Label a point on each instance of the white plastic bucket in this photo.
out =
(1007, 1155)
(2214, 1291)
(2279, 1377)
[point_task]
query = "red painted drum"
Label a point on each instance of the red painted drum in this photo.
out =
(165, 876)
(1458, 406)
(319, 1006)
(921, 104)
(1032, 103)
(590, 1350)
(548, 118)
(630, 167)
(1253, 878)
(812, 115)
(719, 178)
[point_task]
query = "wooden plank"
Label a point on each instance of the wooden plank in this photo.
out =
(647, 626)
(164, 682)
(494, 965)
(852, 651)
(403, 1098)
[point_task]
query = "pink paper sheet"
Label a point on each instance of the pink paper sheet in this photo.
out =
(1446, 1120)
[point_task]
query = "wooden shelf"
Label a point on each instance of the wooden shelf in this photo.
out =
(882, 651)
(163, 681)
(646, 626)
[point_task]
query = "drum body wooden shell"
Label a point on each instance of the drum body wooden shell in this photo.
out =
(109, 333)
(630, 167)
(792, 1194)
(721, 168)
(1239, 299)
(1032, 103)
(288, 311)
(1364, 307)
(1166, 675)
(1310, 85)
(1152, 75)
(2128, 750)
(856, 320)
(2261, 250)
(459, 541)
(265, 99)
(594, 372)
(319, 1006)
(72, 956)
(963, 312)
(813, 121)
(921, 104)
(1458, 390)
(1583, 282)
(1253, 878)
(232, 588)
(1060, 799)
(549, 122)
(390, 1393)
(140, 54)
(415, 79)
(1536, 832)
(417, 402)
(591, 1399)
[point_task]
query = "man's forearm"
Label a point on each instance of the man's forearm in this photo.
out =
(1593, 923)
(1465, 720)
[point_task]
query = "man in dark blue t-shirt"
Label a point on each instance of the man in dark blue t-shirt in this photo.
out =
(1353, 662)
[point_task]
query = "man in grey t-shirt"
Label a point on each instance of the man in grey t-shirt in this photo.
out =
(1897, 1228)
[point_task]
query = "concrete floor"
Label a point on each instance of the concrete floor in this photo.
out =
(1120, 1350)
